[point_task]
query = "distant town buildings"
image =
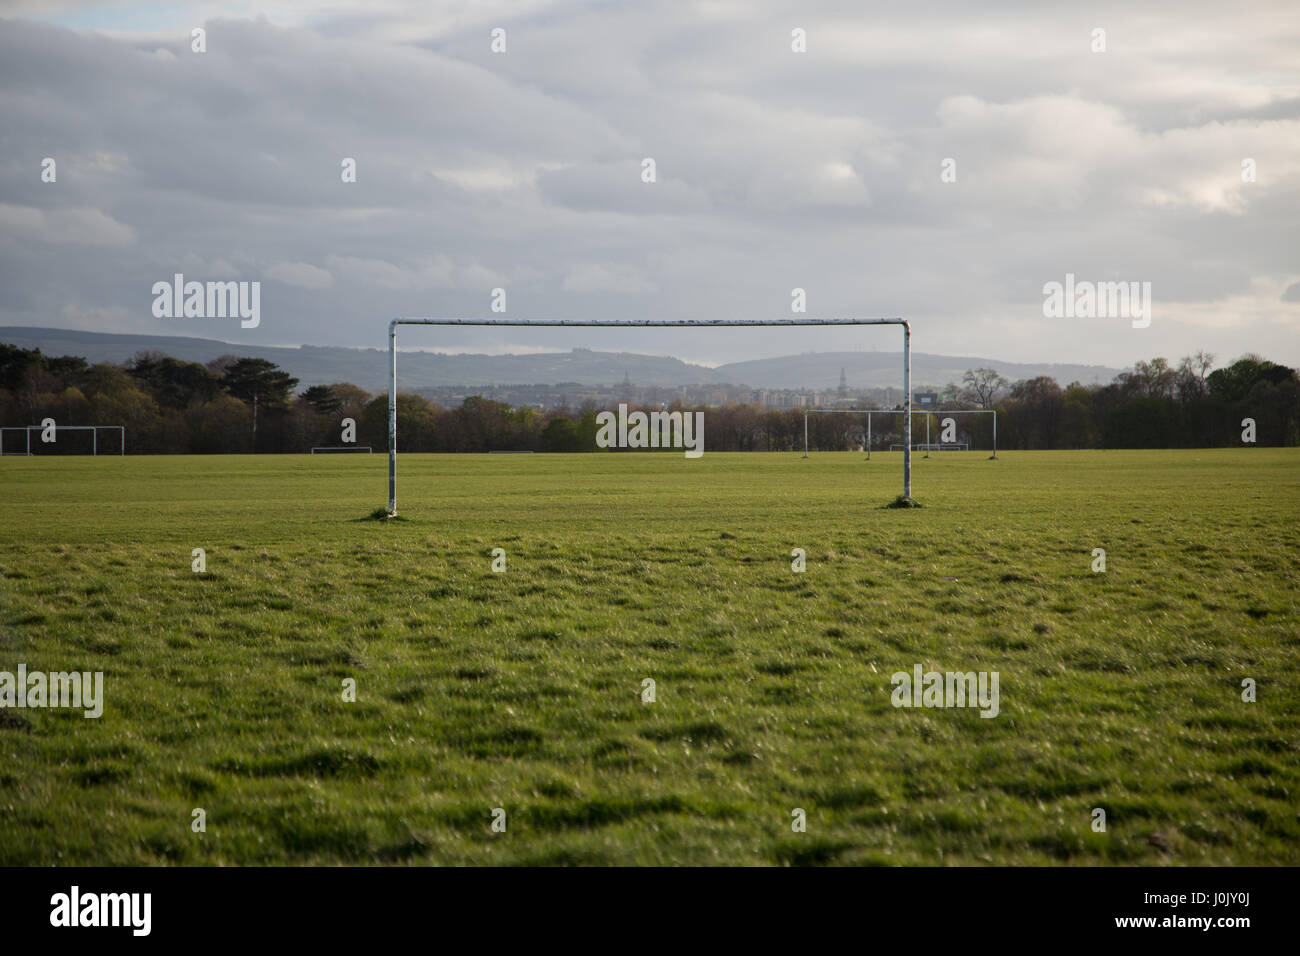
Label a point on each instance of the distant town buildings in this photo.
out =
(573, 395)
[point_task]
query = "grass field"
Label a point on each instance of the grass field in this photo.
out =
(522, 690)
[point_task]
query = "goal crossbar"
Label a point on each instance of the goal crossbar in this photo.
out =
(639, 323)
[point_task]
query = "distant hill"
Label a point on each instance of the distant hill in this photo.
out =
(877, 369)
(322, 365)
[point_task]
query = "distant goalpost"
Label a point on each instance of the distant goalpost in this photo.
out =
(907, 446)
(643, 323)
(93, 429)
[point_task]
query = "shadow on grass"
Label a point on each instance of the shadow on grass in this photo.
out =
(382, 515)
(902, 501)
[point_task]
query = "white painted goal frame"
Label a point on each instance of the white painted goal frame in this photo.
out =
(927, 412)
(641, 323)
(93, 429)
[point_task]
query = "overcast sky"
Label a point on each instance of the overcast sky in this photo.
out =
(775, 169)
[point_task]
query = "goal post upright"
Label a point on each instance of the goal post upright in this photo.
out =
(907, 410)
(392, 415)
(638, 323)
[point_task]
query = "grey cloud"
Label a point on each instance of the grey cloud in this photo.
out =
(776, 170)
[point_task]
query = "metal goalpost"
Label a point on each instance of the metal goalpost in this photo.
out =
(927, 412)
(93, 429)
(641, 323)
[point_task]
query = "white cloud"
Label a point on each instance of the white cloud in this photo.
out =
(78, 226)
(434, 271)
(607, 277)
(300, 274)
(1263, 302)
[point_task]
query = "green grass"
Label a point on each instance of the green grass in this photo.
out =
(522, 690)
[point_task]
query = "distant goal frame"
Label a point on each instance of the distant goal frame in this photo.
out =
(641, 324)
(927, 445)
(93, 429)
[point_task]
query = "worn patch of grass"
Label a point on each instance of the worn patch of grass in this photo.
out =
(522, 690)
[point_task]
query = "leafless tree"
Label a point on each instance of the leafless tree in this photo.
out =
(982, 386)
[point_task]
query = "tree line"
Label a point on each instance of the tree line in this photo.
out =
(235, 405)
(1155, 405)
